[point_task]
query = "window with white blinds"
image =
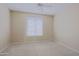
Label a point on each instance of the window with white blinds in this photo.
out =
(34, 26)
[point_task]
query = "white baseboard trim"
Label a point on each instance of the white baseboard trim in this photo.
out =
(1, 51)
(65, 45)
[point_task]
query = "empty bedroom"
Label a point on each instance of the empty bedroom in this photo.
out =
(39, 29)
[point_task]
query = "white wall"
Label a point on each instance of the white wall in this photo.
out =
(4, 27)
(18, 31)
(66, 25)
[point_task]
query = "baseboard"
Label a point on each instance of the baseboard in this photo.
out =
(2, 50)
(31, 41)
(67, 46)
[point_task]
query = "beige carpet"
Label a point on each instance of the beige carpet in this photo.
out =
(43, 48)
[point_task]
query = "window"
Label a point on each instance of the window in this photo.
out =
(34, 26)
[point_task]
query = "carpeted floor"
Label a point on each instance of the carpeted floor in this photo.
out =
(44, 48)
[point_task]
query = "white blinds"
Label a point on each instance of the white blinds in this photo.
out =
(34, 26)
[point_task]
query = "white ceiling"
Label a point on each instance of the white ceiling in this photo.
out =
(47, 8)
